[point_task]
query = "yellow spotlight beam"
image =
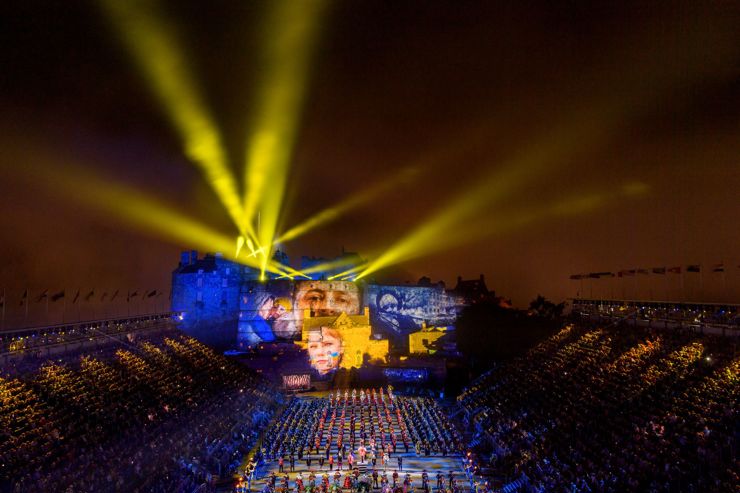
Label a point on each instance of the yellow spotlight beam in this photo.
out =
(134, 207)
(278, 268)
(571, 205)
(655, 77)
(355, 200)
(334, 264)
(289, 36)
(349, 271)
(151, 41)
(293, 272)
(574, 204)
(239, 246)
(441, 228)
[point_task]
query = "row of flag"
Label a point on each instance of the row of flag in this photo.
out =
(694, 268)
(89, 296)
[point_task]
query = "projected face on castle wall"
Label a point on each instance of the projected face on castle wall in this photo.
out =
(325, 298)
(274, 311)
(325, 349)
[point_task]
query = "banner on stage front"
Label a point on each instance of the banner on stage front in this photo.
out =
(297, 382)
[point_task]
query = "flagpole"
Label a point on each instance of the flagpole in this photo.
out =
(28, 297)
(47, 308)
(5, 302)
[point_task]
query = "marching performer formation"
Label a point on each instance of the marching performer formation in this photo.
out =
(358, 440)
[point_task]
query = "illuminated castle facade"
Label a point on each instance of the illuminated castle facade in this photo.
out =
(220, 301)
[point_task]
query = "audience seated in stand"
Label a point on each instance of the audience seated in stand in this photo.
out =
(610, 410)
(159, 417)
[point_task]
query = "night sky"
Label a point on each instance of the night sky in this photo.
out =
(632, 109)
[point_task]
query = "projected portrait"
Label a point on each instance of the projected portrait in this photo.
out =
(266, 314)
(324, 299)
(276, 313)
(325, 349)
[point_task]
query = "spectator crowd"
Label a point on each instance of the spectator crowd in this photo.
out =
(612, 409)
(164, 415)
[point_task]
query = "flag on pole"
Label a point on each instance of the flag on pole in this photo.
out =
(578, 277)
(90, 295)
(114, 295)
(105, 295)
(675, 270)
(658, 270)
(24, 298)
(57, 296)
(131, 295)
(77, 295)
(693, 268)
(149, 295)
(42, 296)
(626, 272)
(2, 299)
(718, 268)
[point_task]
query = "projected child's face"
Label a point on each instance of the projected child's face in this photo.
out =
(324, 350)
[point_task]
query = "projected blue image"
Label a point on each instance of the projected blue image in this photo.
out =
(397, 310)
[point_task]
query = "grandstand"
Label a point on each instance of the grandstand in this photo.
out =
(611, 408)
(709, 318)
(164, 413)
(603, 405)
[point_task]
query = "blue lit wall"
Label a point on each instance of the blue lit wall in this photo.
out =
(223, 303)
(206, 292)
